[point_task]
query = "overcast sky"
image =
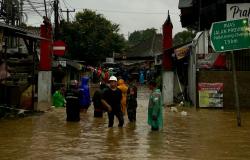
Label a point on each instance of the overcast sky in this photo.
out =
(131, 15)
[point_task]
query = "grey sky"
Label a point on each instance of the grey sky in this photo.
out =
(131, 15)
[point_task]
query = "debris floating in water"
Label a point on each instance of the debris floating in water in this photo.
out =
(183, 113)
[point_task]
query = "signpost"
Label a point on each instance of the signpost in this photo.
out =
(228, 36)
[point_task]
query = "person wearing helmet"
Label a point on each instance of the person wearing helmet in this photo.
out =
(112, 100)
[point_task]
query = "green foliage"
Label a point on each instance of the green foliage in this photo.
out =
(183, 37)
(140, 36)
(91, 37)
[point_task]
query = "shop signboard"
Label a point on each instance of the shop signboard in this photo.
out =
(110, 60)
(230, 35)
(210, 94)
(181, 52)
(238, 11)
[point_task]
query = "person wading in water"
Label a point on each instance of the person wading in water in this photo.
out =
(155, 108)
(112, 100)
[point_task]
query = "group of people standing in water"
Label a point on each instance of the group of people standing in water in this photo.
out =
(117, 99)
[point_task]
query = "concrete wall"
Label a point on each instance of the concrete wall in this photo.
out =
(226, 77)
(44, 90)
(168, 87)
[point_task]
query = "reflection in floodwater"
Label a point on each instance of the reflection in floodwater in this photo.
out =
(202, 134)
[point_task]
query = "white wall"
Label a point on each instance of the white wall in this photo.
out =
(44, 90)
(168, 87)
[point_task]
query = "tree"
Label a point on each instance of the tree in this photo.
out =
(91, 37)
(183, 37)
(140, 36)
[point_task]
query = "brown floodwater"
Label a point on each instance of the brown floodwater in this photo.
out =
(204, 134)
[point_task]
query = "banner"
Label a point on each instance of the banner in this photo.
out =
(210, 94)
(181, 52)
(211, 61)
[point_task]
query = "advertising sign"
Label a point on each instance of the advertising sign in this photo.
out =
(210, 94)
(211, 60)
(238, 11)
(181, 52)
(110, 60)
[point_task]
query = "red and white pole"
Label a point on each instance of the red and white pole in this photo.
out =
(45, 74)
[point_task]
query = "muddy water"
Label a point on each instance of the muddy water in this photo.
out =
(202, 134)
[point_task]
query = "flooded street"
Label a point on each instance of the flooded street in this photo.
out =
(202, 134)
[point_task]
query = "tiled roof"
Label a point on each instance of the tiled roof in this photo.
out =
(185, 3)
(147, 48)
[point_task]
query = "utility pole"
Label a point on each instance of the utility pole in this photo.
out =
(56, 30)
(45, 7)
(8, 12)
(68, 11)
(21, 12)
(199, 19)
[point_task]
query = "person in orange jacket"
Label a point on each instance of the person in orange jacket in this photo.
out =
(123, 87)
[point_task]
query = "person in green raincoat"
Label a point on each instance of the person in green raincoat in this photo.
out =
(155, 108)
(58, 99)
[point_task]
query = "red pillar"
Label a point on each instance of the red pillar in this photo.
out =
(167, 44)
(45, 47)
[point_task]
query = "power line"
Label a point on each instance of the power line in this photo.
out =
(68, 11)
(72, 17)
(34, 2)
(34, 8)
(128, 12)
(65, 1)
(31, 10)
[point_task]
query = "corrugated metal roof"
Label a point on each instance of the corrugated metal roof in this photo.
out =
(13, 30)
(185, 3)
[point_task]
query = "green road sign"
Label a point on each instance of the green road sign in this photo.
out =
(230, 35)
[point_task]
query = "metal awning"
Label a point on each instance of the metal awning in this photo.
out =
(171, 50)
(131, 62)
(68, 62)
(185, 3)
(19, 32)
(75, 65)
(30, 36)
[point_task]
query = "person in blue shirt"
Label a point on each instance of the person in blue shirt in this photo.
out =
(85, 100)
(141, 77)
